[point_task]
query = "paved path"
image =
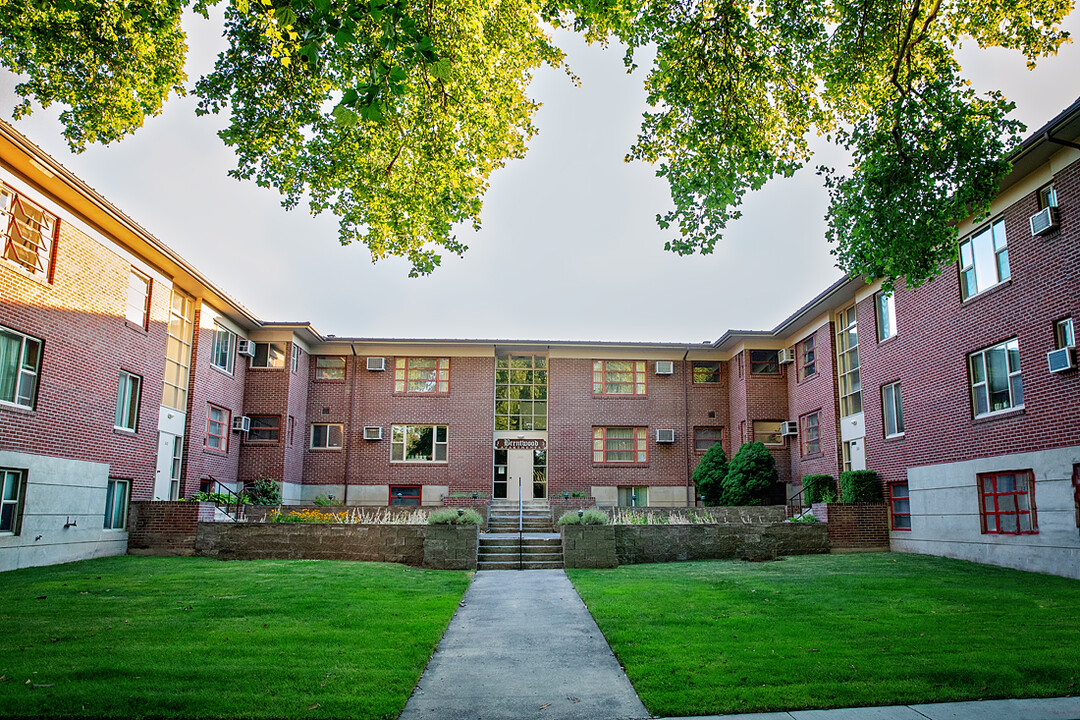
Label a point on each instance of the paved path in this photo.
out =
(523, 646)
(1042, 709)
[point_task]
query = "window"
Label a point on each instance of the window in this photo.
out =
(1047, 197)
(223, 351)
(768, 432)
(422, 375)
(264, 428)
(1063, 334)
(810, 433)
(886, 315)
(521, 385)
(116, 502)
(327, 436)
(807, 358)
(418, 443)
(268, 355)
(620, 445)
(296, 352)
(291, 429)
(177, 465)
(29, 233)
(20, 368)
(892, 410)
(900, 506)
(1076, 492)
(764, 362)
(1008, 503)
(11, 494)
(619, 377)
(405, 495)
(330, 368)
(849, 378)
(984, 260)
(633, 496)
(138, 300)
(995, 379)
(178, 351)
(217, 428)
(706, 373)
(127, 401)
(705, 438)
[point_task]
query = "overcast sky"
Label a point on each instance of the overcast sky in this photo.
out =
(569, 248)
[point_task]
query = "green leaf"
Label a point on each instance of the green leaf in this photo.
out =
(441, 69)
(345, 117)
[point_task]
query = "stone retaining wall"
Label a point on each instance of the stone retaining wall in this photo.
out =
(166, 528)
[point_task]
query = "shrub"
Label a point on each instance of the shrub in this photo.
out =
(710, 473)
(220, 498)
(804, 518)
(750, 477)
(818, 489)
(470, 517)
(325, 501)
(568, 518)
(450, 516)
(860, 486)
(594, 517)
(264, 491)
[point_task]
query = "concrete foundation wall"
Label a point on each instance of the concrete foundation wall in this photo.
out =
(59, 491)
(945, 518)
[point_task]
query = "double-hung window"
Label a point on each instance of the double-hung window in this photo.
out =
(329, 368)
(418, 443)
(127, 401)
(264, 428)
(1008, 503)
(764, 362)
(619, 377)
(810, 432)
(705, 438)
(886, 315)
(995, 379)
(807, 358)
(621, 445)
(296, 355)
(900, 506)
(116, 503)
(768, 432)
(28, 232)
(984, 260)
(891, 409)
(268, 355)
(224, 349)
(217, 428)
(138, 300)
(422, 375)
(706, 372)
(12, 484)
(848, 368)
(20, 368)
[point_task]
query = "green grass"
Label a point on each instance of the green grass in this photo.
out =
(824, 631)
(191, 637)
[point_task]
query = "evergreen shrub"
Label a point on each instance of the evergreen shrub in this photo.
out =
(860, 486)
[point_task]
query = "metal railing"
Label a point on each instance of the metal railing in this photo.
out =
(232, 505)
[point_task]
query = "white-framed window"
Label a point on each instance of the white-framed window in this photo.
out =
(621, 445)
(223, 352)
(886, 315)
(891, 409)
(28, 232)
(418, 443)
(1063, 334)
(849, 378)
(176, 467)
(178, 351)
(268, 355)
(296, 355)
(327, 436)
(12, 487)
(20, 368)
(138, 299)
(116, 504)
(768, 432)
(217, 428)
(984, 260)
(1047, 197)
(995, 379)
(330, 368)
(128, 395)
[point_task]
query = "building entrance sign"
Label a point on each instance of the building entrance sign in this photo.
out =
(520, 444)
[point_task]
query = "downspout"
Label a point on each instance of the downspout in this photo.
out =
(348, 441)
(686, 428)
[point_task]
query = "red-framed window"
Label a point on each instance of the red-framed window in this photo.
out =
(707, 372)
(421, 375)
(264, 428)
(807, 358)
(810, 432)
(1076, 492)
(1008, 503)
(768, 432)
(764, 362)
(628, 445)
(706, 437)
(619, 377)
(29, 233)
(330, 368)
(900, 506)
(217, 428)
(404, 494)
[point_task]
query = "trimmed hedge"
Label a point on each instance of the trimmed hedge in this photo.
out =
(819, 488)
(860, 486)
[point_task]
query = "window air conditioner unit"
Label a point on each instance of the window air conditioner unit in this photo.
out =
(665, 436)
(1043, 221)
(1060, 360)
(786, 355)
(376, 364)
(241, 424)
(665, 367)
(245, 347)
(372, 432)
(789, 428)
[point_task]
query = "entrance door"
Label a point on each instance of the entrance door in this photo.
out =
(856, 454)
(167, 477)
(519, 466)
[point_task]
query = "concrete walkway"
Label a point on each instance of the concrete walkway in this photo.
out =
(1041, 709)
(522, 645)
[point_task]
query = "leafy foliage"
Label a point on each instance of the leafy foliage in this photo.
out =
(751, 476)
(819, 488)
(264, 491)
(710, 473)
(449, 516)
(860, 486)
(392, 114)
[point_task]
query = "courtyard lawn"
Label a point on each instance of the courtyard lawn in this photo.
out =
(822, 631)
(191, 637)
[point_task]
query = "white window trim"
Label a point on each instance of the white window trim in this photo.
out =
(897, 396)
(311, 437)
(434, 444)
(116, 482)
(20, 485)
(986, 381)
(889, 300)
(987, 231)
(123, 397)
(21, 371)
(230, 363)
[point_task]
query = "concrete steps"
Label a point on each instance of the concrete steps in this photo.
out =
(537, 547)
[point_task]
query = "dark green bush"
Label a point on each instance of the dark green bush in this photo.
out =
(860, 486)
(710, 473)
(264, 491)
(751, 476)
(818, 489)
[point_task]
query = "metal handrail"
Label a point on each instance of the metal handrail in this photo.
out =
(208, 485)
(521, 512)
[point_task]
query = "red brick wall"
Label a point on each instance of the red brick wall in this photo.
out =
(936, 332)
(855, 525)
(280, 392)
(816, 392)
(702, 400)
(87, 341)
(166, 528)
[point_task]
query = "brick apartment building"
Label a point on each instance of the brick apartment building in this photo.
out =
(126, 376)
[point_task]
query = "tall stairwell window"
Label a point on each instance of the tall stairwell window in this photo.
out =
(178, 351)
(847, 362)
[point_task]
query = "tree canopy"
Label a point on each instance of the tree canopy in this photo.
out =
(392, 114)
